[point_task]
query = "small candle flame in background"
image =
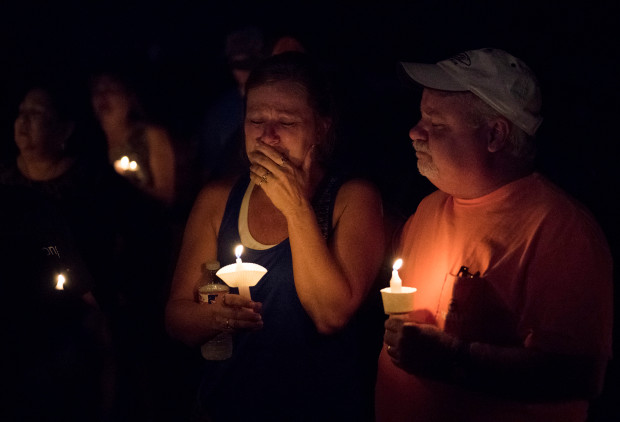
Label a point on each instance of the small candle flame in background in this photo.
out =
(125, 164)
(60, 282)
(395, 282)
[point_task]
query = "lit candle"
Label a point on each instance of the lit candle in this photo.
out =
(60, 282)
(238, 251)
(241, 275)
(125, 164)
(397, 299)
(395, 282)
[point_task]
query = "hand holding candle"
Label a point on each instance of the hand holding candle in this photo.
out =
(242, 275)
(396, 298)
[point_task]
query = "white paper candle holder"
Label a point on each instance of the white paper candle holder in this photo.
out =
(242, 276)
(398, 302)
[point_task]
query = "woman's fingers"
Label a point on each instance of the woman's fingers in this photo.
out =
(263, 169)
(231, 323)
(276, 157)
(239, 313)
(269, 163)
(393, 336)
(238, 301)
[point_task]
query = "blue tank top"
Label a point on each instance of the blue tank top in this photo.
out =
(287, 370)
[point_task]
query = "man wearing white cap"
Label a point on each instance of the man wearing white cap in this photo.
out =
(513, 309)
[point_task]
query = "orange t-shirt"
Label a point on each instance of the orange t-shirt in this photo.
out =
(542, 277)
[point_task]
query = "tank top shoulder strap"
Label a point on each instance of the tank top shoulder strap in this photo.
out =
(324, 200)
(233, 205)
(322, 203)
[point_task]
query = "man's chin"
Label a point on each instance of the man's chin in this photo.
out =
(427, 170)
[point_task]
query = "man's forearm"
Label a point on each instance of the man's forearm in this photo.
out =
(518, 373)
(530, 375)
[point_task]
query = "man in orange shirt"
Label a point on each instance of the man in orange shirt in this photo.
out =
(513, 309)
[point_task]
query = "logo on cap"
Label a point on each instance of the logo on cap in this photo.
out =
(462, 58)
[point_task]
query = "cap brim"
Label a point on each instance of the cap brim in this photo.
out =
(432, 76)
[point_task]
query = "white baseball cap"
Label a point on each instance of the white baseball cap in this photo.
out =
(501, 80)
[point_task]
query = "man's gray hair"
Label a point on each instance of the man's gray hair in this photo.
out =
(521, 145)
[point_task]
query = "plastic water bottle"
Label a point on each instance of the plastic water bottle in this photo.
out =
(210, 291)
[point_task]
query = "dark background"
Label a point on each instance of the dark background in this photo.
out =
(176, 48)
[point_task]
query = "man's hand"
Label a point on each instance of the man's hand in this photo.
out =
(422, 349)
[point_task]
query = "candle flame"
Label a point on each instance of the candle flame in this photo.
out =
(397, 264)
(238, 251)
(125, 164)
(60, 281)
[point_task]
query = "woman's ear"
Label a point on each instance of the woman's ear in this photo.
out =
(499, 129)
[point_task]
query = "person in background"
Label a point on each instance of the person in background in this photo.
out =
(297, 351)
(220, 135)
(51, 159)
(285, 43)
(513, 309)
(57, 360)
(144, 154)
(140, 150)
(102, 209)
(220, 138)
(119, 231)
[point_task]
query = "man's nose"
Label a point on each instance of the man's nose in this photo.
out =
(417, 133)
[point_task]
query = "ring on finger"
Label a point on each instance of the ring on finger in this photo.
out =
(228, 326)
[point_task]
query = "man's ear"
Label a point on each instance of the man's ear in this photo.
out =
(499, 129)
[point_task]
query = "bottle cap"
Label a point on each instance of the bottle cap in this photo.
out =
(213, 265)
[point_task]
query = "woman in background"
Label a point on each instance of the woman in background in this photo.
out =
(120, 232)
(140, 150)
